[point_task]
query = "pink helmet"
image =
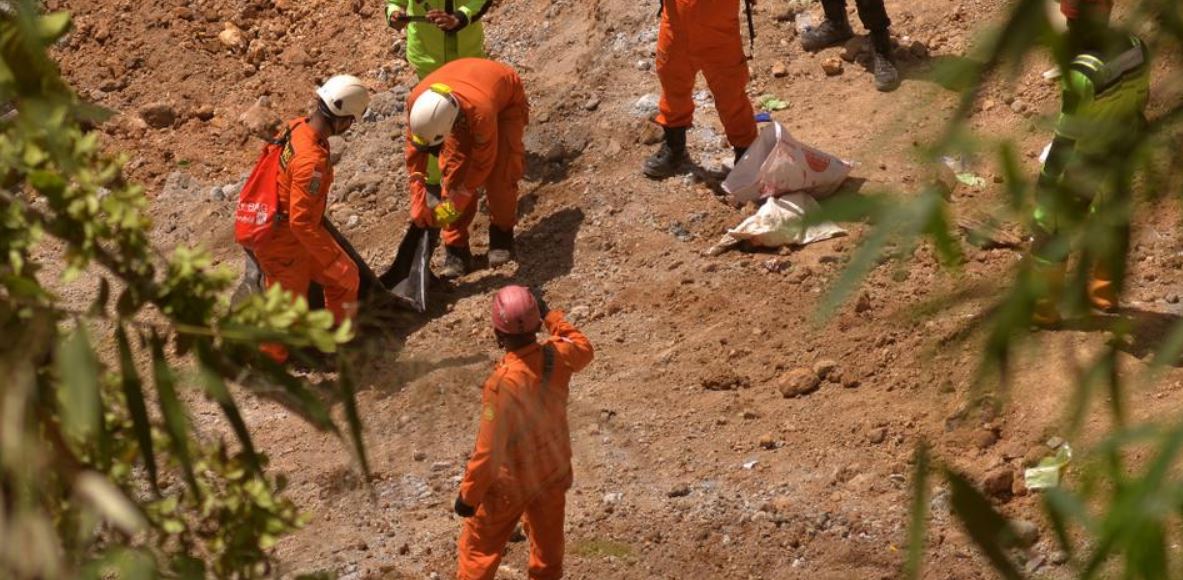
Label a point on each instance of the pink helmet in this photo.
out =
(515, 311)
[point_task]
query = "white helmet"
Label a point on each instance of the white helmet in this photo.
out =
(344, 96)
(433, 115)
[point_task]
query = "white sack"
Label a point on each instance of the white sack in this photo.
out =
(777, 163)
(779, 222)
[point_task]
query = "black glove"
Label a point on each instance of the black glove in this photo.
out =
(543, 309)
(462, 509)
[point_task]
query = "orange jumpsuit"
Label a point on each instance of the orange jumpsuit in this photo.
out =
(484, 149)
(301, 250)
(703, 35)
(522, 461)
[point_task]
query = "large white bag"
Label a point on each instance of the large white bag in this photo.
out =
(779, 222)
(777, 163)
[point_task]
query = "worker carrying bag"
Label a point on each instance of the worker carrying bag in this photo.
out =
(258, 202)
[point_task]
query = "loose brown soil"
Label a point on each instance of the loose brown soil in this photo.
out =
(689, 461)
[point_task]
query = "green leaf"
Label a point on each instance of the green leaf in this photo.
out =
(919, 512)
(51, 27)
(985, 526)
(188, 568)
(121, 563)
(216, 388)
(133, 393)
(349, 397)
(175, 421)
(79, 372)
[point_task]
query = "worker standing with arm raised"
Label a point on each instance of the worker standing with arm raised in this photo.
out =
(521, 464)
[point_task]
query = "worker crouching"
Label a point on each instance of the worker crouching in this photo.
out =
(472, 114)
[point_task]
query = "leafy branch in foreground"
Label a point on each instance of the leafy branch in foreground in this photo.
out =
(99, 474)
(1115, 516)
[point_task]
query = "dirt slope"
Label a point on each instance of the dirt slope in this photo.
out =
(689, 461)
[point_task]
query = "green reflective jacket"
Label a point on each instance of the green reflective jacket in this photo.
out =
(1105, 99)
(428, 47)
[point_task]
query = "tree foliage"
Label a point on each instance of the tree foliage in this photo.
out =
(101, 470)
(1116, 517)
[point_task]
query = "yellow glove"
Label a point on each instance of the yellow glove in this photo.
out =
(445, 214)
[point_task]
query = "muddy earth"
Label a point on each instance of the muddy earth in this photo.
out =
(723, 431)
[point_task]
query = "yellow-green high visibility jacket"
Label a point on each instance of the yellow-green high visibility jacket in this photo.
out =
(428, 47)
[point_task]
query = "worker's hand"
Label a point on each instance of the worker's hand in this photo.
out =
(397, 19)
(421, 216)
(443, 20)
(445, 214)
(543, 309)
(343, 272)
(462, 509)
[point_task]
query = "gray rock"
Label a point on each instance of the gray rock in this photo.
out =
(1058, 557)
(385, 105)
(216, 193)
(940, 502)
(352, 221)
(337, 147)
(646, 105)
(592, 104)
(179, 184)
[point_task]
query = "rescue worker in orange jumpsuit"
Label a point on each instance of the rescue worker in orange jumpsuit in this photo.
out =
(472, 114)
(700, 35)
(300, 250)
(522, 462)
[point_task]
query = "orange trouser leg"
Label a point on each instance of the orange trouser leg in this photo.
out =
(544, 527)
(292, 272)
(502, 188)
(483, 538)
(1102, 288)
(456, 235)
(676, 72)
(729, 85)
(341, 300)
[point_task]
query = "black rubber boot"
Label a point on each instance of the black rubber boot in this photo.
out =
(666, 162)
(500, 246)
(739, 151)
(828, 33)
(456, 261)
(887, 78)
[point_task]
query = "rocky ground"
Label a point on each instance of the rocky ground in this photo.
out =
(722, 431)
